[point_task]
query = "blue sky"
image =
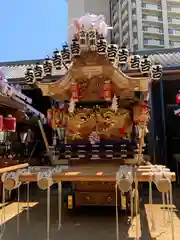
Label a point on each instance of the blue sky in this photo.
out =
(31, 29)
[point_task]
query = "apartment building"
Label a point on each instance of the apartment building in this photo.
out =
(139, 24)
(145, 24)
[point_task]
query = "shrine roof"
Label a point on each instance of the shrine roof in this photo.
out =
(168, 58)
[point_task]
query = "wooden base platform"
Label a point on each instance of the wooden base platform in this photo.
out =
(13, 168)
(89, 173)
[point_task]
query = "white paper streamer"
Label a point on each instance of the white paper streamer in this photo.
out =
(89, 20)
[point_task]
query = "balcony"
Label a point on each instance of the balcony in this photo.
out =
(174, 22)
(174, 32)
(134, 18)
(174, 44)
(152, 19)
(173, 10)
(173, 2)
(152, 31)
(153, 42)
(151, 7)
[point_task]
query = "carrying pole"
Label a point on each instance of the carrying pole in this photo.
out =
(45, 141)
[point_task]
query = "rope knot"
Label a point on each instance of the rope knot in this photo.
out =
(124, 178)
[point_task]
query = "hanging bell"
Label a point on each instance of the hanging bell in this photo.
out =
(112, 50)
(9, 124)
(29, 76)
(75, 47)
(134, 62)
(57, 59)
(38, 71)
(145, 64)
(101, 45)
(47, 66)
(65, 53)
(156, 71)
(123, 55)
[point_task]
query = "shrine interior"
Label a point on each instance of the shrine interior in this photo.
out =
(166, 135)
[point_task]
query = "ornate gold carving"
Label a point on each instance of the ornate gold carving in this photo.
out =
(82, 122)
(90, 59)
(114, 125)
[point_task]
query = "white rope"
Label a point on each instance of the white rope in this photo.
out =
(124, 181)
(151, 213)
(18, 211)
(117, 213)
(136, 209)
(162, 173)
(28, 199)
(48, 212)
(171, 207)
(168, 204)
(3, 214)
(59, 205)
(164, 213)
(132, 208)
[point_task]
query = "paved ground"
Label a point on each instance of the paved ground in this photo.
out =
(89, 223)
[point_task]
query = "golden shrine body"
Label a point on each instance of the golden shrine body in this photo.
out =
(92, 77)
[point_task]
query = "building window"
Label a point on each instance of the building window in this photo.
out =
(144, 16)
(160, 18)
(135, 35)
(169, 9)
(135, 47)
(145, 41)
(143, 5)
(159, 7)
(171, 43)
(145, 28)
(133, 11)
(169, 19)
(170, 31)
(162, 42)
